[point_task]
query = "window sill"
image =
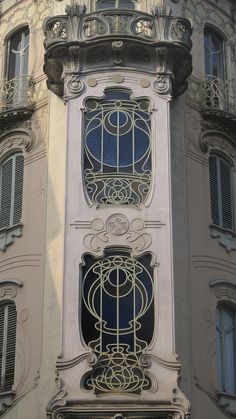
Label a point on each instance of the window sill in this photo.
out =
(6, 400)
(226, 238)
(227, 402)
(7, 236)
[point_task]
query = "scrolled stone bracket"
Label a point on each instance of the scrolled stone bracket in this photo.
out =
(73, 86)
(163, 84)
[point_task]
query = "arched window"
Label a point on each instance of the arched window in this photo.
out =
(117, 149)
(226, 348)
(115, 4)
(17, 67)
(8, 317)
(214, 54)
(220, 173)
(11, 190)
(117, 319)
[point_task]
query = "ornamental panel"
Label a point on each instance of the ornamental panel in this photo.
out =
(117, 320)
(117, 149)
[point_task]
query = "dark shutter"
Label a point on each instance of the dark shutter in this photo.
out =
(6, 193)
(214, 190)
(226, 195)
(18, 192)
(8, 321)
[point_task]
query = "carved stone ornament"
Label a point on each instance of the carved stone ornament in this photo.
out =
(226, 239)
(73, 87)
(104, 40)
(8, 288)
(133, 234)
(17, 138)
(7, 235)
(212, 138)
(162, 85)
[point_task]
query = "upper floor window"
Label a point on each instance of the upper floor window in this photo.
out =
(11, 190)
(226, 349)
(214, 54)
(8, 319)
(220, 173)
(17, 67)
(115, 4)
(117, 148)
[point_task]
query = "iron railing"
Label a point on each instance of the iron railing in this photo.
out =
(16, 93)
(218, 94)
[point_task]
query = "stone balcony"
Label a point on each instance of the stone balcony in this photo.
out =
(158, 43)
(16, 99)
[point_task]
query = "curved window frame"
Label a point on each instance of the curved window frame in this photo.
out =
(111, 178)
(17, 68)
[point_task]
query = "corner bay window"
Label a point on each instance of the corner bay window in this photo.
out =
(220, 173)
(11, 190)
(8, 318)
(117, 320)
(117, 149)
(226, 349)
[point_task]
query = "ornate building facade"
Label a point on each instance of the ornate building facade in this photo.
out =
(117, 209)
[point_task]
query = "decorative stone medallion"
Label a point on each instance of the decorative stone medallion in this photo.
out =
(117, 224)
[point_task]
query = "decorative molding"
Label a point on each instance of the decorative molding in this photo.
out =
(131, 233)
(224, 289)
(73, 87)
(7, 236)
(213, 136)
(138, 44)
(21, 137)
(8, 288)
(226, 239)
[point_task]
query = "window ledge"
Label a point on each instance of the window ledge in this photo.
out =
(226, 238)
(6, 400)
(8, 234)
(227, 402)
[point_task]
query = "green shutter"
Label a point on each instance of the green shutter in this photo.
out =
(214, 190)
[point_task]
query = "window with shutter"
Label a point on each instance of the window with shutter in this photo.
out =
(226, 349)
(8, 317)
(221, 192)
(11, 190)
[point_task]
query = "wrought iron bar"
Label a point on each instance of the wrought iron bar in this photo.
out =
(16, 93)
(218, 94)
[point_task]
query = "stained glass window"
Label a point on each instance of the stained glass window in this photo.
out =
(117, 149)
(117, 319)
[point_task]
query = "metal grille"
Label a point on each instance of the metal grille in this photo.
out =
(117, 149)
(117, 320)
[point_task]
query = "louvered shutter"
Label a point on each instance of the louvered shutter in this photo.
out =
(226, 195)
(6, 193)
(8, 321)
(11, 190)
(214, 190)
(18, 189)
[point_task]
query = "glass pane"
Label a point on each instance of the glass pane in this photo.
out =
(117, 319)
(18, 54)
(112, 4)
(214, 57)
(117, 149)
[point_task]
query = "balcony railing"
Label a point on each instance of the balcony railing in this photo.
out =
(218, 94)
(16, 93)
(82, 27)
